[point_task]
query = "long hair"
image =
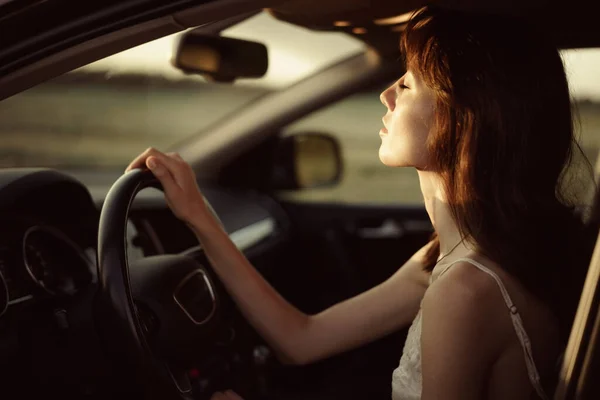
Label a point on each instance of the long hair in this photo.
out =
(502, 139)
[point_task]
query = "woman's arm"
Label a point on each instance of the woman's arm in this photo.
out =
(299, 338)
(459, 338)
(295, 336)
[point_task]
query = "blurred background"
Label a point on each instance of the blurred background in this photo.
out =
(99, 117)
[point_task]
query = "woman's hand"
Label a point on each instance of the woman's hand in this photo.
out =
(179, 183)
(228, 395)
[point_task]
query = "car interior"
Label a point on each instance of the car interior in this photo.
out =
(104, 293)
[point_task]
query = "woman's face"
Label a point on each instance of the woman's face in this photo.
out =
(409, 118)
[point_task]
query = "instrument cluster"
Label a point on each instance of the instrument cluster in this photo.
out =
(40, 261)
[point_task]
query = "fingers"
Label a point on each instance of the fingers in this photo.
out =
(232, 395)
(175, 155)
(141, 161)
(164, 176)
(167, 164)
(182, 171)
(172, 164)
(177, 179)
(228, 395)
(168, 168)
(161, 165)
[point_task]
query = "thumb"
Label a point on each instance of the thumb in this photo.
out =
(163, 175)
(154, 165)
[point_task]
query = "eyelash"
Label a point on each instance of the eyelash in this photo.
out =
(403, 87)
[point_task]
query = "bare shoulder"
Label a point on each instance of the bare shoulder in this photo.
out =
(466, 320)
(466, 302)
(460, 336)
(466, 286)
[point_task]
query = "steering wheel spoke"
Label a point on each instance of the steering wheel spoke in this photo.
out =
(180, 379)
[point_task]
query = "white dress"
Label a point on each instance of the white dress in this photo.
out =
(407, 381)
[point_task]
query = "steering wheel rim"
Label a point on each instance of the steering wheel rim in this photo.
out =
(117, 297)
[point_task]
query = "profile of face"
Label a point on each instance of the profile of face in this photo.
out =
(407, 123)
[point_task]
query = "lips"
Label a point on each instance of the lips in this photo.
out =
(384, 129)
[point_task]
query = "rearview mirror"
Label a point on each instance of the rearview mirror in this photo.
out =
(307, 160)
(220, 58)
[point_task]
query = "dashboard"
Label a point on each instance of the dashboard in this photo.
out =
(48, 268)
(48, 225)
(40, 260)
(43, 254)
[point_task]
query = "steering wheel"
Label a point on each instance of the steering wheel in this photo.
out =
(158, 313)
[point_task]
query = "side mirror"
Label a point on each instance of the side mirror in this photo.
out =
(306, 160)
(220, 58)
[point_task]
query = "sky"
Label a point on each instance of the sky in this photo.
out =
(296, 52)
(583, 72)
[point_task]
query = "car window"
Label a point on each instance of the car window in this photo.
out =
(356, 120)
(102, 115)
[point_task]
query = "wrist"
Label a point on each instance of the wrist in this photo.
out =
(203, 224)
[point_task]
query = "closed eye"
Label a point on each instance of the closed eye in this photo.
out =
(400, 88)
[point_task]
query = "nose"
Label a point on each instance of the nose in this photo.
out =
(388, 98)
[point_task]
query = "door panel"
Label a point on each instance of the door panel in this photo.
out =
(338, 251)
(368, 243)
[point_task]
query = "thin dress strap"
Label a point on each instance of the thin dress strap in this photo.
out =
(534, 376)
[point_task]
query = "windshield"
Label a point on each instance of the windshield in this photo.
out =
(102, 115)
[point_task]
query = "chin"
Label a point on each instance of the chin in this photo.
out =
(389, 159)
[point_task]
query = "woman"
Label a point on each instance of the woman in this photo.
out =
(483, 114)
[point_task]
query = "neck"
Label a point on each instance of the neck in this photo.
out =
(439, 212)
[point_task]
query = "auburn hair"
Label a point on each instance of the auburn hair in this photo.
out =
(502, 139)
